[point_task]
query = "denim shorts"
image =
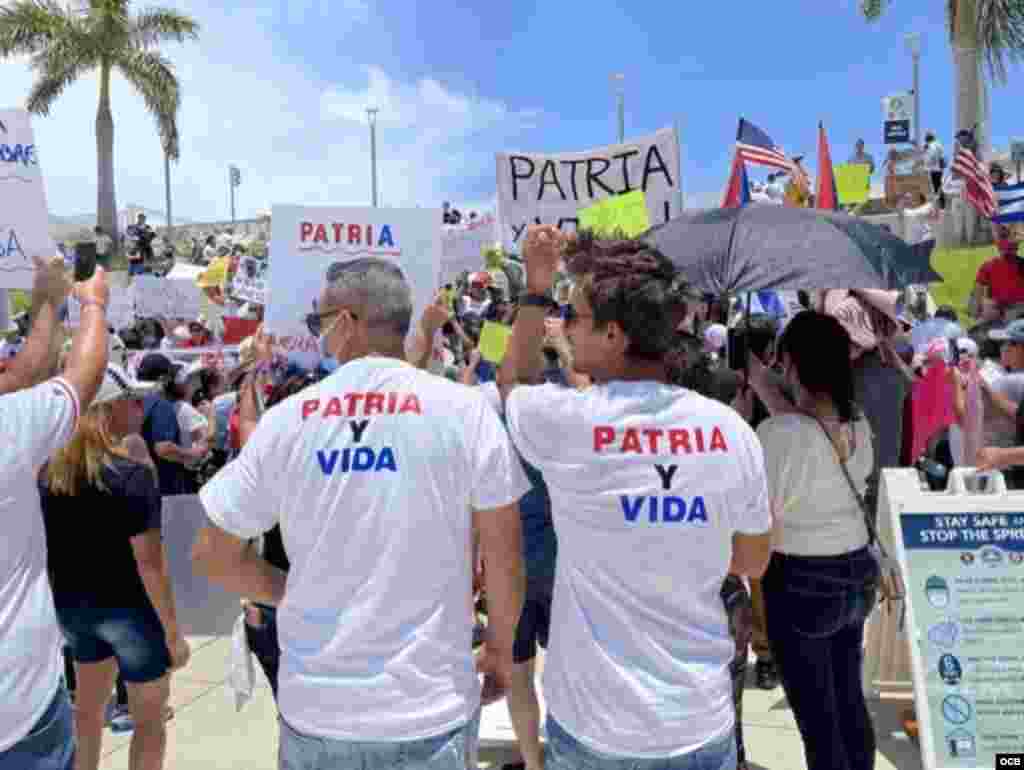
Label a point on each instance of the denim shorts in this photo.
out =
(51, 743)
(133, 635)
(305, 752)
(566, 753)
(532, 630)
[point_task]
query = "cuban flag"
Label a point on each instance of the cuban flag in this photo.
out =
(767, 302)
(737, 192)
(1010, 199)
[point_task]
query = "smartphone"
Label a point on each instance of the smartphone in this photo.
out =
(737, 347)
(85, 261)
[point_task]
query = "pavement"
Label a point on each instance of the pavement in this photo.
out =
(207, 731)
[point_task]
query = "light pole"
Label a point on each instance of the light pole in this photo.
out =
(618, 84)
(913, 41)
(371, 116)
(167, 192)
(234, 180)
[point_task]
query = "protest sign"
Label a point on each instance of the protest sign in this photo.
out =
(166, 297)
(853, 182)
(120, 310)
(250, 283)
(24, 218)
(536, 188)
(897, 117)
(961, 555)
(462, 246)
(306, 241)
(494, 339)
(626, 214)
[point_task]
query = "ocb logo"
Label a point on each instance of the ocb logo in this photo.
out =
(1009, 760)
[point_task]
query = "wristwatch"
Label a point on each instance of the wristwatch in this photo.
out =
(537, 300)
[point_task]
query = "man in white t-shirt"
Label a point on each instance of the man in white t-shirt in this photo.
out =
(378, 476)
(657, 493)
(38, 416)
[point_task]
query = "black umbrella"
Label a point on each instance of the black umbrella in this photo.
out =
(729, 251)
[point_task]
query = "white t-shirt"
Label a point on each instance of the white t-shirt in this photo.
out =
(933, 157)
(819, 514)
(373, 474)
(35, 423)
(638, 664)
(472, 308)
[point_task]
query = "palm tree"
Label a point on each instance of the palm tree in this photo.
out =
(65, 43)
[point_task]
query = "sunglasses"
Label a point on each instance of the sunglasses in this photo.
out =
(315, 321)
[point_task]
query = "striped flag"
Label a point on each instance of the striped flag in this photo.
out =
(1011, 204)
(826, 195)
(755, 146)
(737, 192)
(977, 186)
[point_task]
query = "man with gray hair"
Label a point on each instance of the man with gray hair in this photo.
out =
(378, 475)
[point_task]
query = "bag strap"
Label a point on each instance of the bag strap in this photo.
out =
(861, 502)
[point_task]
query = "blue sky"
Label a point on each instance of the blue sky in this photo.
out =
(279, 89)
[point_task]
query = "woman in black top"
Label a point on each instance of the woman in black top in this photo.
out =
(111, 590)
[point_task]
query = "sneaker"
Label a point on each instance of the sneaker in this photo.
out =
(767, 674)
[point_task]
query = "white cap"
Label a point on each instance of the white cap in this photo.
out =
(118, 384)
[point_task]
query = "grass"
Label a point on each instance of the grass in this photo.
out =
(958, 267)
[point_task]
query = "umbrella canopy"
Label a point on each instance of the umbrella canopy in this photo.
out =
(726, 251)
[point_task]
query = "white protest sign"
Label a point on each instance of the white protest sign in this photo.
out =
(535, 188)
(166, 297)
(462, 246)
(24, 218)
(307, 240)
(250, 283)
(120, 310)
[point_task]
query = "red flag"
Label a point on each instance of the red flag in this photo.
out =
(977, 184)
(825, 194)
(737, 192)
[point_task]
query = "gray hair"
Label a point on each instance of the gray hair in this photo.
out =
(376, 289)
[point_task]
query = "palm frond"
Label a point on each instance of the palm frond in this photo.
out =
(55, 76)
(1000, 35)
(872, 9)
(29, 26)
(153, 77)
(156, 25)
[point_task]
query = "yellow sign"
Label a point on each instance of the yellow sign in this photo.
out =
(494, 339)
(625, 214)
(215, 275)
(853, 182)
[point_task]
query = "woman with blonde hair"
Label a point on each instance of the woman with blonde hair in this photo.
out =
(113, 598)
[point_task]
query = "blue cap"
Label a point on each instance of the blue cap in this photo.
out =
(1012, 333)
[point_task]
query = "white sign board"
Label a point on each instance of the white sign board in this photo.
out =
(962, 558)
(250, 282)
(462, 246)
(24, 218)
(166, 297)
(120, 310)
(898, 117)
(536, 188)
(307, 240)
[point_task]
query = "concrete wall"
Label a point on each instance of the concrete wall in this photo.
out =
(247, 228)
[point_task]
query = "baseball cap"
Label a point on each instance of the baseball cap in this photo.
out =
(155, 367)
(1012, 333)
(118, 384)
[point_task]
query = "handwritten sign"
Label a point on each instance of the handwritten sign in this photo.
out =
(166, 297)
(626, 214)
(494, 339)
(24, 218)
(853, 182)
(120, 310)
(250, 283)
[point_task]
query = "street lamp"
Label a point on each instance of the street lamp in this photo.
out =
(913, 42)
(371, 116)
(618, 85)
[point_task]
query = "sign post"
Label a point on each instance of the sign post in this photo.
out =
(1017, 155)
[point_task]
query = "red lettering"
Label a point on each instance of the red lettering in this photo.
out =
(679, 439)
(392, 402)
(699, 434)
(354, 235)
(353, 399)
(603, 436)
(718, 440)
(310, 407)
(374, 404)
(369, 235)
(631, 441)
(333, 408)
(306, 230)
(338, 227)
(653, 434)
(321, 234)
(411, 404)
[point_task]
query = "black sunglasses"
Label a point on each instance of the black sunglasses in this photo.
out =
(315, 321)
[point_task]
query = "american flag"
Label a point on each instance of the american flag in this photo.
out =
(977, 186)
(755, 146)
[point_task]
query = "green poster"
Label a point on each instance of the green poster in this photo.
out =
(626, 213)
(853, 182)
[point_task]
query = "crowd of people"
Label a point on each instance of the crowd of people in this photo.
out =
(618, 490)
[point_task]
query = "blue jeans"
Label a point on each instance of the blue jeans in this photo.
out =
(816, 608)
(50, 745)
(304, 752)
(566, 753)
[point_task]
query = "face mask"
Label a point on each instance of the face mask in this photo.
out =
(1007, 247)
(938, 598)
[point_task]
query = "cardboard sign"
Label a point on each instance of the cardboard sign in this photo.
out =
(166, 297)
(120, 310)
(250, 283)
(536, 188)
(853, 182)
(307, 241)
(462, 246)
(494, 339)
(24, 217)
(962, 558)
(624, 213)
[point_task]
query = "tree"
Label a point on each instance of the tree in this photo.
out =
(64, 44)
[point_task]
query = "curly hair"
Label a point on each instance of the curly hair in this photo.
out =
(631, 283)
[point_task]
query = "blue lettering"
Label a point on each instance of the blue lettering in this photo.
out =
(386, 460)
(327, 462)
(697, 511)
(386, 238)
(363, 460)
(18, 153)
(669, 510)
(675, 509)
(631, 507)
(12, 247)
